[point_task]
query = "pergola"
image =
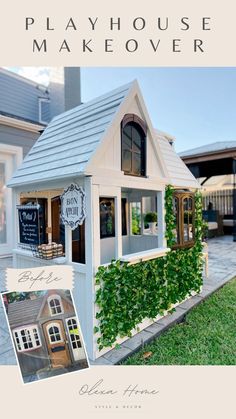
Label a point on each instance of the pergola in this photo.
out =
(214, 160)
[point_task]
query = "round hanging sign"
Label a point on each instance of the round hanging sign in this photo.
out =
(73, 206)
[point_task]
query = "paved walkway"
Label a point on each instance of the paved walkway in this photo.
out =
(222, 267)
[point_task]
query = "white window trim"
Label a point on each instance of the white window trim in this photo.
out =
(41, 99)
(49, 336)
(33, 340)
(52, 297)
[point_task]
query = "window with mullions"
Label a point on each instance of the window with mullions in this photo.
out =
(183, 205)
(73, 332)
(133, 146)
(107, 217)
(27, 339)
(55, 305)
(54, 333)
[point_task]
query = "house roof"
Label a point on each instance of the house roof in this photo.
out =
(70, 140)
(28, 311)
(178, 173)
(209, 148)
(25, 311)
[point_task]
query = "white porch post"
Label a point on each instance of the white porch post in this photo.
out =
(49, 222)
(92, 257)
(95, 225)
(118, 225)
(161, 218)
(68, 243)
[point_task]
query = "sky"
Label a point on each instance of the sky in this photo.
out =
(195, 105)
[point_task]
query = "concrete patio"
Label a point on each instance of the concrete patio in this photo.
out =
(222, 267)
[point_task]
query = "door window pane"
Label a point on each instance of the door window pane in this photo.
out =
(54, 334)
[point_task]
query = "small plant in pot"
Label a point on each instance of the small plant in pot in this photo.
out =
(151, 219)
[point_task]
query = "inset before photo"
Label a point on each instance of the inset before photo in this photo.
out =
(46, 333)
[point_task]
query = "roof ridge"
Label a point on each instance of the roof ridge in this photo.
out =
(109, 93)
(182, 153)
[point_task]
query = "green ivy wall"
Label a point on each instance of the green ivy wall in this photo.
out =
(127, 294)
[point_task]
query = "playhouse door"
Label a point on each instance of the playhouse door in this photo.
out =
(75, 342)
(57, 345)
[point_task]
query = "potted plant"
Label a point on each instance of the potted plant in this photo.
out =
(151, 219)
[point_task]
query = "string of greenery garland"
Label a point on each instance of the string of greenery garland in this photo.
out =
(127, 294)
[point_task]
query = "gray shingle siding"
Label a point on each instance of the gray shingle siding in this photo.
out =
(16, 137)
(19, 97)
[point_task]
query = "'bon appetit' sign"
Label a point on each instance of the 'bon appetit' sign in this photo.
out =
(73, 206)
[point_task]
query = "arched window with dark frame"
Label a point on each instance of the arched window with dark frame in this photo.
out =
(133, 145)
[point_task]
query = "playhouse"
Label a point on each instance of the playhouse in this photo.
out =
(45, 331)
(93, 190)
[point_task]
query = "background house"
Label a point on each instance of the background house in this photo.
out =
(26, 107)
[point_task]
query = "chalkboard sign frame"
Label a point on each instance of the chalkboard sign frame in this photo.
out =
(29, 225)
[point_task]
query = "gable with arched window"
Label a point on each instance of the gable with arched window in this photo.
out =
(133, 145)
(55, 305)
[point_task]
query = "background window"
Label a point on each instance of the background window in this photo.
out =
(44, 110)
(107, 217)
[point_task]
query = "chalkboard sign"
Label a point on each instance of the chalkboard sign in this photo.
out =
(29, 224)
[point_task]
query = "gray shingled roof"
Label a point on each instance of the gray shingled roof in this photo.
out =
(209, 148)
(70, 140)
(24, 312)
(179, 174)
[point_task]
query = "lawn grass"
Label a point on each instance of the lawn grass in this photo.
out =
(207, 337)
